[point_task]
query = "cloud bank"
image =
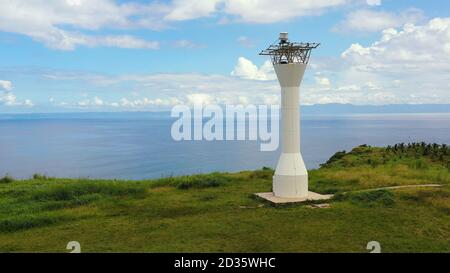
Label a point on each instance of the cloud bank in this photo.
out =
(405, 65)
(67, 24)
(8, 98)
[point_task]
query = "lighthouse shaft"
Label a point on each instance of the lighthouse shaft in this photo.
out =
(291, 177)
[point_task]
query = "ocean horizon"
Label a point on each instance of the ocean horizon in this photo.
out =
(138, 145)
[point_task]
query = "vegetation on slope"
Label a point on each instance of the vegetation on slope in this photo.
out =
(218, 212)
(416, 155)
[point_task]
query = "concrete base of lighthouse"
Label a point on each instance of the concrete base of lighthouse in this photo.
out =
(312, 196)
(290, 182)
(291, 177)
(290, 186)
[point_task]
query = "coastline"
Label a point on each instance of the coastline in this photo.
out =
(217, 212)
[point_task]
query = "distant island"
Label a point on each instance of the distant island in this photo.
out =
(398, 196)
(338, 108)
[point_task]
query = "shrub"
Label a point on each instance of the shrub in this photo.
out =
(264, 173)
(214, 182)
(184, 185)
(38, 176)
(374, 162)
(419, 164)
(373, 198)
(337, 156)
(200, 181)
(6, 179)
(340, 196)
(361, 149)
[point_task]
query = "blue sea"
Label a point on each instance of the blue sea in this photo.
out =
(139, 145)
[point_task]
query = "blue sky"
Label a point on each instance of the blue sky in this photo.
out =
(105, 55)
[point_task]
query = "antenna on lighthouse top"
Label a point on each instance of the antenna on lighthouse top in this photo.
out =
(286, 52)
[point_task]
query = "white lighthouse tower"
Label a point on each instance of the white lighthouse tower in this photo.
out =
(290, 181)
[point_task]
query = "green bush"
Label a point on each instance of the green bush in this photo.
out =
(265, 173)
(419, 164)
(336, 157)
(374, 162)
(200, 181)
(6, 179)
(373, 198)
(38, 176)
(340, 196)
(361, 149)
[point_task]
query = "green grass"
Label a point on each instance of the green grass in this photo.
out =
(377, 198)
(217, 212)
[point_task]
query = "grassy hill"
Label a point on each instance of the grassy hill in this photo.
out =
(217, 212)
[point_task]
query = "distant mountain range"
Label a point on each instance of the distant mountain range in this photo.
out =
(317, 109)
(336, 108)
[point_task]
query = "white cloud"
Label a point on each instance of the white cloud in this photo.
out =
(271, 99)
(245, 41)
(186, 44)
(373, 2)
(8, 98)
(347, 88)
(28, 103)
(6, 85)
(162, 91)
(412, 49)
(200, 88)
(266, 11)
(200, 99)
(126, 103)
(123, 41)
(84, 14)
(372, 86)
(255, 11)
(84, 103)
(247, 70)
(373, 21)
(67, 40)
(64, 25)
(146, 102)
(98, 101)
(322, 80)
(191, 9)
(408, 65)
(46, 21)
